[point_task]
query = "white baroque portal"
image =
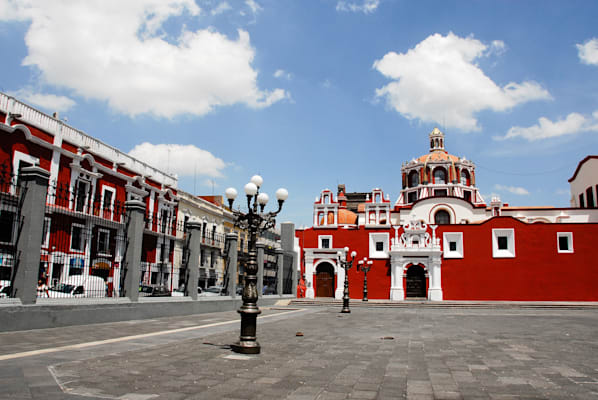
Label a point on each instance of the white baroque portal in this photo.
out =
(417, 244)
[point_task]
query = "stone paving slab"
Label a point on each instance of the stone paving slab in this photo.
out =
(368, 354)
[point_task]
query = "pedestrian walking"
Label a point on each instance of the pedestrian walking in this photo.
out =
(42, 289)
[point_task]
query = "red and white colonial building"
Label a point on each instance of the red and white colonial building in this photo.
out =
(89, 184)
(441, 241)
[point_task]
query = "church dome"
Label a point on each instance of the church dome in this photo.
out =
(346, 217)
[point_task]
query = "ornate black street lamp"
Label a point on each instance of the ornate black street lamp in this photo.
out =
(346, 264)
(365, 265)
(254, 221)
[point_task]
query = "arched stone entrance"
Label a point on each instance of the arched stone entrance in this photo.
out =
(415, 282)
(324, 280)
(416, 246)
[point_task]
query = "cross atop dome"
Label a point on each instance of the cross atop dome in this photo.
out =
(436, 140)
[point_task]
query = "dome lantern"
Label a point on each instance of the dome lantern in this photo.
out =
(436, 140)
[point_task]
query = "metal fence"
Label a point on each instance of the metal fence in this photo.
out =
(161, 274)
(10, 218)
(83, 244)
(83, 230)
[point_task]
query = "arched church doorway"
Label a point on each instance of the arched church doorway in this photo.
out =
(325, 280)
(415, 285)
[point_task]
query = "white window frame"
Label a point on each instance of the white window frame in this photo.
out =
(16, 160)
(569, 236)
(457, 237)
(510, 251)
(82, 250)
(110, 207)
(46, 238)
(107, 232)
(20, 156)
(320, 237)
(87, 194)
(378, 237)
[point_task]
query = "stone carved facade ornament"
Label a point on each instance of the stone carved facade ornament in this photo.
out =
(417, 245)
(416, 236)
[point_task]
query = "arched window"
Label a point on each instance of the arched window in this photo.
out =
(439, 176)
(330, 217)
(442, 217)
(465, 178)
(377, 198)
(326, 199)
(321, 220)
(413, 179)
(372, 218)
(382, 217)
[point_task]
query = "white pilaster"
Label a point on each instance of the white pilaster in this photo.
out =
(309, 278)
(435, 284)
(396, 278)
(340, 282)
(55, 164)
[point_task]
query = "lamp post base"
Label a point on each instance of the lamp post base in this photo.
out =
(247, 343)
(246, 347)
(346, 308)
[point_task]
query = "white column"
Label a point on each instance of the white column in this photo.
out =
(88, 246)
(309, 278)
(55, 165)
(396, 278)
(435, 286)
(340, 282)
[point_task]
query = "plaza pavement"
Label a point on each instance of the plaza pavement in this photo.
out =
(414, 352)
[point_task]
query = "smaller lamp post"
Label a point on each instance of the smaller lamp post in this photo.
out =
(346, 264)
(365, 265)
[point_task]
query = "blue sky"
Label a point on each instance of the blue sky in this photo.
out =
(314, 93)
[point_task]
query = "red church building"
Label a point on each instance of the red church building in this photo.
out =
(441, 241)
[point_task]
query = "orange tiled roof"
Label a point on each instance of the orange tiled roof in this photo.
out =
(438, 155)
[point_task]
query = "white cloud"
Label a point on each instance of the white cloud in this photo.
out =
(366, 6)
(439, 81)
(50, 102)
(221, 8)
(253, 6)
(183, 160)
(281, 73)
(210, 183)
(545, 128)
(119, 52)
(588, 52)
(563, 192)
(512, 189)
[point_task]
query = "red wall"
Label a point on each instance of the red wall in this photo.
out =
(358, 240)
(537, 272)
